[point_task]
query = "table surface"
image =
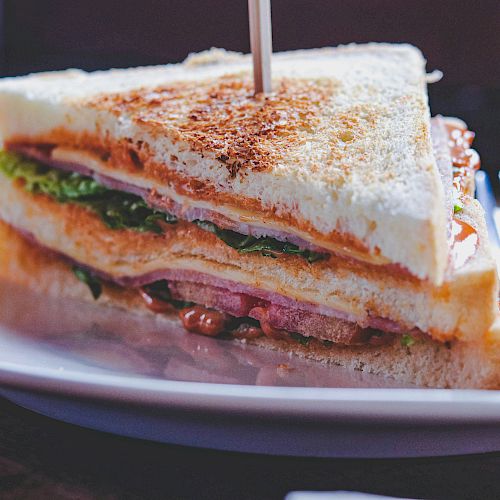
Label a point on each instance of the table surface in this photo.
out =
(42, 458)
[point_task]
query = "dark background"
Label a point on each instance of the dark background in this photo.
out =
(42, 459)
(462, 38)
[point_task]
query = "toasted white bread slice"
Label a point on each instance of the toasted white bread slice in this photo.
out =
(425, 363)
(463, 307)
(340, 154)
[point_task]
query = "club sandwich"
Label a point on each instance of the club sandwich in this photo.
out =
(333, 218)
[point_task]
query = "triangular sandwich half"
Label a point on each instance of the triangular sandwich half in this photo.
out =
(339, 157)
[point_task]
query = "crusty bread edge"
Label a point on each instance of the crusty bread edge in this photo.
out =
(459, 365)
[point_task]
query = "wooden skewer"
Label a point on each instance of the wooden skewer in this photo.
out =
(261, 42)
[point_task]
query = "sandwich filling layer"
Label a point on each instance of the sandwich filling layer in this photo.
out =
(452, 143)
(408, 358)
(335, 299)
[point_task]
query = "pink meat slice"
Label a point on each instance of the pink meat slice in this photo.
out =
(314, 325)
(235, 298)
(222, 299)
(43, 154)
(198, 287)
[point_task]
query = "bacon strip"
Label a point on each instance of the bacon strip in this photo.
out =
(290, 319)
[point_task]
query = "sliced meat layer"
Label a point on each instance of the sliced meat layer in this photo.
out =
(222, 299)
(273, 317)
(43, 154)
(239, 300)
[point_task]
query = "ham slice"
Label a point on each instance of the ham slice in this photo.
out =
(237, 299)
(222, 299)
(43, 154)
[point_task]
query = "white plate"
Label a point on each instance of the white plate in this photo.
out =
(122, 373)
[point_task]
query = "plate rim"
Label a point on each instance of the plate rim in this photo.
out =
(411, 406)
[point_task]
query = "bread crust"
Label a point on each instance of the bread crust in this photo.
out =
(459, 365)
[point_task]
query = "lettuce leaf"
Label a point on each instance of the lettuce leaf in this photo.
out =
(118, 210)
(269, 247)
(85, 276)
(63, 186)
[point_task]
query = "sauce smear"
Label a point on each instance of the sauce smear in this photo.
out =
(464, 242)
(465, 160)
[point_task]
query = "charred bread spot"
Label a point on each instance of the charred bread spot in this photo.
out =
(134, 158)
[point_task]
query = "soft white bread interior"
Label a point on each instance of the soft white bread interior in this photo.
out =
(463, 307)
(458, 365)
(343, 145)
(424, 363)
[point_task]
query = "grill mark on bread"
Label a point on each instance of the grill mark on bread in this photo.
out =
(224, 118)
